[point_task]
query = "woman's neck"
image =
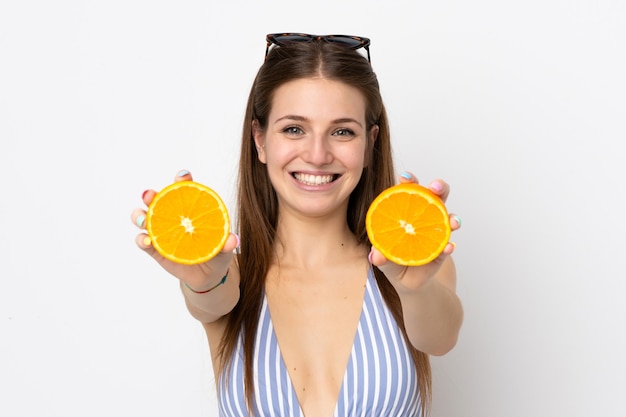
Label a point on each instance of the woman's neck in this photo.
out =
(310, 242)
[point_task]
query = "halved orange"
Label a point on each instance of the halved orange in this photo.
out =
(188, 223)
(408, 224)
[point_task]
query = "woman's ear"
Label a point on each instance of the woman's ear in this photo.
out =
(258, 135)
(372, 135)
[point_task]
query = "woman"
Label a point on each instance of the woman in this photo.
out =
(305, 319)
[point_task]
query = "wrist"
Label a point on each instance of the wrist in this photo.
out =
(209, 289)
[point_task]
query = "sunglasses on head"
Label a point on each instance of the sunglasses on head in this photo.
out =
(351, 42)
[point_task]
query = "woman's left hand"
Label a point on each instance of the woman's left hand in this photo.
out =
(405, 278)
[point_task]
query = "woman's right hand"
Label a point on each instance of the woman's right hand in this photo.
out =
(199, 277)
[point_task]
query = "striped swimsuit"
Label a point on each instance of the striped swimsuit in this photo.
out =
(380, 379)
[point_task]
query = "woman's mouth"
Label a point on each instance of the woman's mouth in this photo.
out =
(310, 179)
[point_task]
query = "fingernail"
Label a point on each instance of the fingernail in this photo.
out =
(406, 175)
(436, 187)
(143, 195)
(369, 256)
(453, 245)
(140, 220)
(147, 241)
(182, 173)
(457, 218)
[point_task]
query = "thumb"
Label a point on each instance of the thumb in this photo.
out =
(223, 259)
(231, 244)
(391, 270)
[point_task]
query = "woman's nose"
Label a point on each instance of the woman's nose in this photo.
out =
(318, 151)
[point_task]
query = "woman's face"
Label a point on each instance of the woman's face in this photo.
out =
(315, 145)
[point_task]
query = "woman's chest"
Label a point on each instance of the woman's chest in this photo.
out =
(375, 374)
(315, 329)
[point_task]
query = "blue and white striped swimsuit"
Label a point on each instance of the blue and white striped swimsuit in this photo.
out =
(380, 379)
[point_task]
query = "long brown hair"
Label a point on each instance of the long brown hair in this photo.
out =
(258, 205)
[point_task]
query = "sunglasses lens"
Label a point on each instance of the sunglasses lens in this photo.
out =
(284, 39)
(345, 41)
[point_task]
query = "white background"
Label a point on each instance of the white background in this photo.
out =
(518, 104)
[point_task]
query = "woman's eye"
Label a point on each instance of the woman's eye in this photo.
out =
(343, 132)
(293, 130)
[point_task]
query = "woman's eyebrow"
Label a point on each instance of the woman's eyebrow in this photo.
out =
(292, 117)
(347, 120)
(304, 119)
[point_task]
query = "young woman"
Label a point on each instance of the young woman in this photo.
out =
(309, 320)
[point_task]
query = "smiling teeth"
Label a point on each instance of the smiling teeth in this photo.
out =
(314, 179)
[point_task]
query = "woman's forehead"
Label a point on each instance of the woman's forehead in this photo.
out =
(318, 98)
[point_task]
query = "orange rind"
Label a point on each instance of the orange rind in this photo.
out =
(408, 224)
(187, 223)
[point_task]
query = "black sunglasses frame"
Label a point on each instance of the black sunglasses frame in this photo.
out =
(349, 41)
